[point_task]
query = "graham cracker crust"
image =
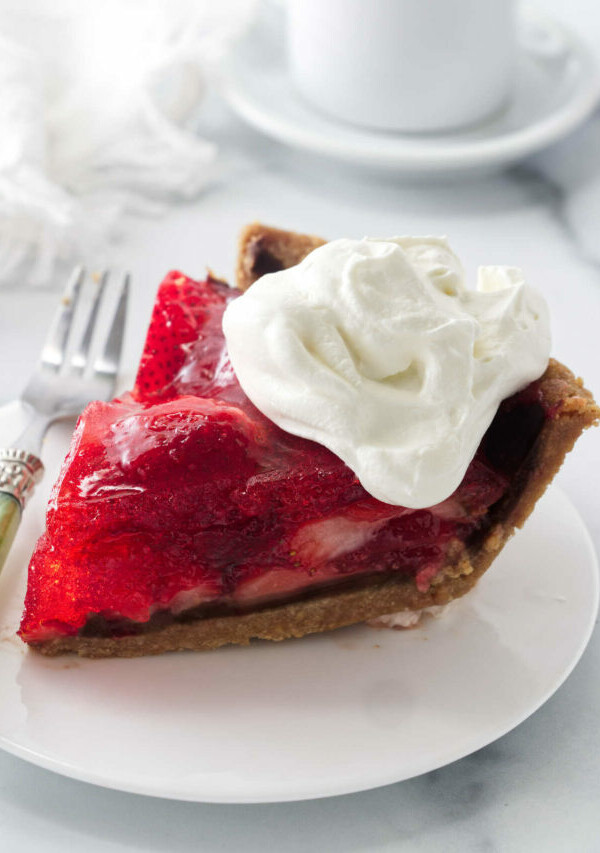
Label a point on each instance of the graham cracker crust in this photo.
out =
(262, 249)
(573, 410)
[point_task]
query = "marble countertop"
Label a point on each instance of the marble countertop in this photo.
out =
(536, 788)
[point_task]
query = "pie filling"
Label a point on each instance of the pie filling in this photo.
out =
(181, 501)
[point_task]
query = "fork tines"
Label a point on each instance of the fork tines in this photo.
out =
(67, 349)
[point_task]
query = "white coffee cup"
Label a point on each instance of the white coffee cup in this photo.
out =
(405, 65)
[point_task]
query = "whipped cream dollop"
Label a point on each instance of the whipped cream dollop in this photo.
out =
(377, 350)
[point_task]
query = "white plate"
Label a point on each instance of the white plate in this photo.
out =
(325, 715)
(557, 87)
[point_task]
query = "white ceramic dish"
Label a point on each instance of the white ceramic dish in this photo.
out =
(557, 87)
(325, 715)
(358, 61)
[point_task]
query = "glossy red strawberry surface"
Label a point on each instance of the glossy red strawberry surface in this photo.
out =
(181, 492)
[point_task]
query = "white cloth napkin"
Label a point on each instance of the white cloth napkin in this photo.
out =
(96, 104)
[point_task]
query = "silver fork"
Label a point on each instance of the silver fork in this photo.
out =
(68, 375)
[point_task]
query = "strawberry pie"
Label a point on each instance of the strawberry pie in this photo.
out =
(185, 517)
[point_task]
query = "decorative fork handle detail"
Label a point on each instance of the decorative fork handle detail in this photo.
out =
(19, 473)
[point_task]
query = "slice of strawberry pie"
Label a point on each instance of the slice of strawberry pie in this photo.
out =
(183, 518)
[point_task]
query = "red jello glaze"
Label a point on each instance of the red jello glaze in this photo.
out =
(130, 464)
(182, 491)
(184, 344)
(127, 576)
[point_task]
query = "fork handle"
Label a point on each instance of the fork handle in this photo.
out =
(19, 473)
(10, 516)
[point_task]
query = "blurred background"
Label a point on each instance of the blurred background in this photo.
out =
(121, 108)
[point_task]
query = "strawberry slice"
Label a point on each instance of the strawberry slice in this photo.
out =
(185, 316)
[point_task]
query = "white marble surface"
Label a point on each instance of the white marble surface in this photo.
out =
(538, 787)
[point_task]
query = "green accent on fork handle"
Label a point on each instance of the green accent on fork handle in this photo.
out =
(20, 470)
(10, 516)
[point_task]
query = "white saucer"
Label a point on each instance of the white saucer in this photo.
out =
(557, 87)
(328, 714)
